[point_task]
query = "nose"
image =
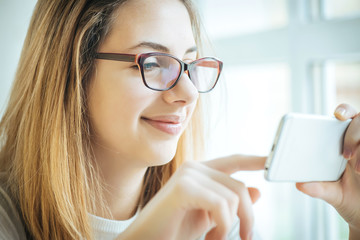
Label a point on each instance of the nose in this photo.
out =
(183, 93)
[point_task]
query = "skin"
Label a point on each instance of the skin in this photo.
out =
(125, 144)
(197, 198)
(344, 194)
(200, 196)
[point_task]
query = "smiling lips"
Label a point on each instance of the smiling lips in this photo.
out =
(171, 124)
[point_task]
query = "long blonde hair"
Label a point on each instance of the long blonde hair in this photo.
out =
(45, 133)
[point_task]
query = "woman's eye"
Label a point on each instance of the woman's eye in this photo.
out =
(151, 66)
(135, 67)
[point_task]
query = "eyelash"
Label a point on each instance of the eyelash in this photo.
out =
(135, 67)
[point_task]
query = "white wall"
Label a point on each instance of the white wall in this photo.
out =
(14, 20)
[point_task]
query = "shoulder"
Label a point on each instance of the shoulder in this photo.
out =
(11, 226)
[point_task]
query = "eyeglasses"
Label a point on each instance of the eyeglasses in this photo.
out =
(161, 71)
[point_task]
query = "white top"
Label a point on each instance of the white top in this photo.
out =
(11, 226)
(106, 229)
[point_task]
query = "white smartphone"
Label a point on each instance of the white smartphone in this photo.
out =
(307, 148)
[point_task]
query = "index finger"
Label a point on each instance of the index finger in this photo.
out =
(237, 162)
(352, 134)
(352, 138)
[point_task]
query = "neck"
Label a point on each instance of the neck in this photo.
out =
(123, 183)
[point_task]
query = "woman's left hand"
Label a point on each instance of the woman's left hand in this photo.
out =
(344, 194)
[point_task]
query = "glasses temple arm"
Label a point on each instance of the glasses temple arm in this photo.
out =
(116, 57)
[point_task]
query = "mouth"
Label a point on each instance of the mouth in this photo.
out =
(171, 125)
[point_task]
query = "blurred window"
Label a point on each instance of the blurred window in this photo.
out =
(347, 81)
(228, 21)
(340, 8)
(336, 82)
(257, 96)
(267, 47)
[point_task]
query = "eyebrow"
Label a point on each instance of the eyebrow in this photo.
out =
(160, 47)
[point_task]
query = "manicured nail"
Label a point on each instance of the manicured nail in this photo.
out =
(340, 111)
(347, 154)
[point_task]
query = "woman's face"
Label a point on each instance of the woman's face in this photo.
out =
(142, 125)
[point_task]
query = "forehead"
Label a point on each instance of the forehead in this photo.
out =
(166, 22)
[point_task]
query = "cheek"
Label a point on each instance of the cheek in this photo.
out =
(191, 110)
(115, 104)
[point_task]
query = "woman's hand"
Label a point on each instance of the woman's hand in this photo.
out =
(344, 194)
(197, 198)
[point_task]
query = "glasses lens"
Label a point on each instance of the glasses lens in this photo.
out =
(161, 72)
(204, 73)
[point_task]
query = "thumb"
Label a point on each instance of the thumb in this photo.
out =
(328, 191)
(344, 112)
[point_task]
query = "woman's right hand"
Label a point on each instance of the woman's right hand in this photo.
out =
(344, 194)
(199, 197)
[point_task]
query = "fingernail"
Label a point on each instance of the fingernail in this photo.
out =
(340, 111)
(347, 154)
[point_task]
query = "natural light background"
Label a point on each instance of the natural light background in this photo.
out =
(14, 20)
(279, 56)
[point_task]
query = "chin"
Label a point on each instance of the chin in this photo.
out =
(161, 160)
(161, 157)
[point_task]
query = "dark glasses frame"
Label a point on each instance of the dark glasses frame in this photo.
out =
(140, 58)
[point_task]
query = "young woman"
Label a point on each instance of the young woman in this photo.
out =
(101, 138)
